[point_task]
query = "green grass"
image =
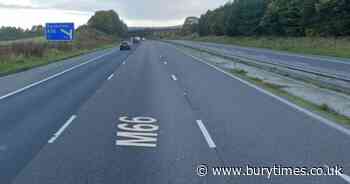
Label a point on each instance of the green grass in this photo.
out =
(304, 45)
(323, 110)
(20, 63)
(240, 71)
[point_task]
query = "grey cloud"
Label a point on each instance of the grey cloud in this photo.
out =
(16, 6)
(139, 10)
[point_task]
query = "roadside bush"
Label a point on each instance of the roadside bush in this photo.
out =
(88, 38)
(5, 52)
(32, 49)
(29, 49)
(61, 46)
(325, 107)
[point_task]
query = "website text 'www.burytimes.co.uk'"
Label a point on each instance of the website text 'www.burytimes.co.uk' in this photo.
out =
(276, 170)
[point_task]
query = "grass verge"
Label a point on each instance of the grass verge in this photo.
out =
(323, 110)
(39, 39)
(339, 47)
(21, 63)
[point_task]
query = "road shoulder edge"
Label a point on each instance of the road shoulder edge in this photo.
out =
(308, 112)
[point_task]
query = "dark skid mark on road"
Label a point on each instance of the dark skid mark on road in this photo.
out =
(190, 103)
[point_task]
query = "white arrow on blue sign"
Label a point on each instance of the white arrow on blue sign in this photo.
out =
(59, 31)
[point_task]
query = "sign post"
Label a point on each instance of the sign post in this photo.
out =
(59, 31)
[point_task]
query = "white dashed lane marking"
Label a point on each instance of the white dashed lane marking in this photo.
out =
(206, 134)
(110, 77)
(61, 130)
(174, 77)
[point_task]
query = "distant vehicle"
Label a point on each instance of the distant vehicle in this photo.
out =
(125, 46)
(136, 40)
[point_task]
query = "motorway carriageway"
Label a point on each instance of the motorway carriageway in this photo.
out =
(152, 115)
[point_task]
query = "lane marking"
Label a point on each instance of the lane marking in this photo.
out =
(173, 77)
(165, 62)
(52, 77)
(124, 62)
(61, 130)
(206, 134)
(345, 177)
(110, 77)
(286, 102)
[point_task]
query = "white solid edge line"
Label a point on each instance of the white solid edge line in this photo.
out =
(309, 113)
(110, 77)
(206, 134)
(345, 177)
(174, 77)
(59, 132)
(51, 77)
(342, 176)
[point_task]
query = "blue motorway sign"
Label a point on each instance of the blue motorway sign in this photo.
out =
(59, 31)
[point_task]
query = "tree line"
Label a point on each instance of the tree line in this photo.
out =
(12, 33)
(277, 18)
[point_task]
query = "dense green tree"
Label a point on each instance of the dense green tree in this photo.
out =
(190, 26)
(217, 22)
(278, 17)
(39, 29)
(204, 29)
(13, 33)
(284, 17)
(240, 17)
(108, 22)
(333, 18)
(246, 16)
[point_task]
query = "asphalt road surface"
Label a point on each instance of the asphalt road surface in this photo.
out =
(153, 115)
(328, 65)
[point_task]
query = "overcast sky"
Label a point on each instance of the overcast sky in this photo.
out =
(25, 13)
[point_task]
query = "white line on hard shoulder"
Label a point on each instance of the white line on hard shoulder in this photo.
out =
(173, 77)
(342, 176)
(345, 177)
(60, 131)
(51, 77)
(110, 77)
(206, 134)
(303, 110)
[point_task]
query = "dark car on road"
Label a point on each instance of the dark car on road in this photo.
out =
(125, 46)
